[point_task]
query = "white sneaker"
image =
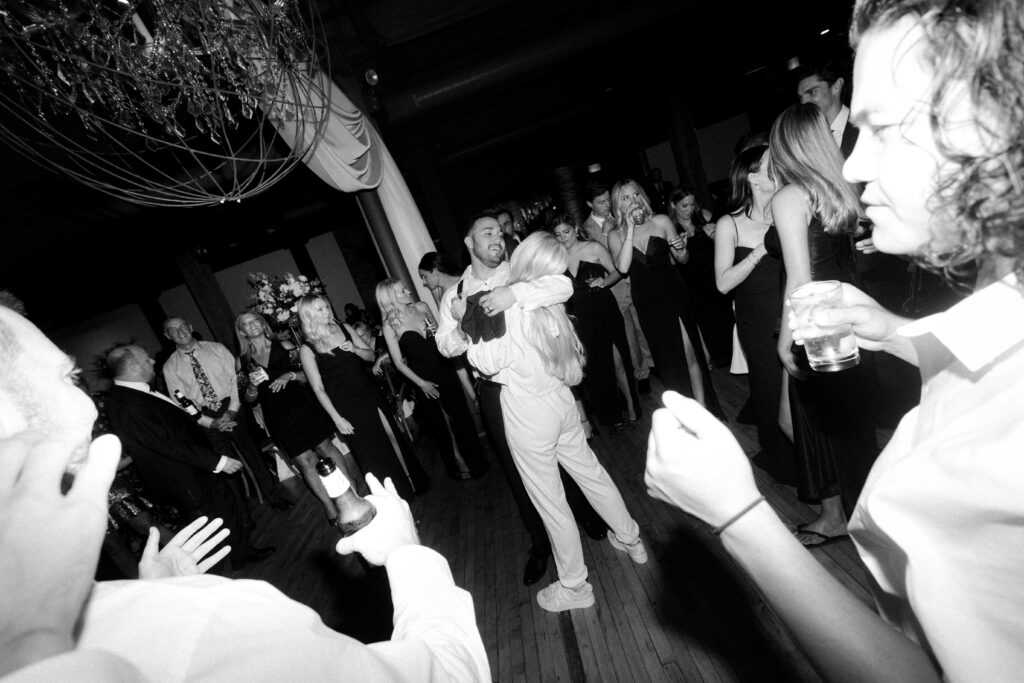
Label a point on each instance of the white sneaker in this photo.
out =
(558, 598)
(637, 551)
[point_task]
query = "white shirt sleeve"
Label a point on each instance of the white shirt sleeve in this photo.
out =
(207, 628)
(449, 338)
(544, 291)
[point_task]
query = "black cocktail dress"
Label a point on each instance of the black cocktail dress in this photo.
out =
(293, 416)
(600, 328)
(422, 356)
(357, 399)
(662, 302)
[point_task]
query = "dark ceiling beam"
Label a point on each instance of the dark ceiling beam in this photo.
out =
(528, 57)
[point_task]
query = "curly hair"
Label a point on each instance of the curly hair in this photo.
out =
(977, 47)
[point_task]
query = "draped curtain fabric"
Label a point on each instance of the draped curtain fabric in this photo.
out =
(350, 156)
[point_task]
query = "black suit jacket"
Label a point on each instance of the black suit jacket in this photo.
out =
(171, 453)
(850, 134)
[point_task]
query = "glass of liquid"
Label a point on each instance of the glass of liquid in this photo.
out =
(829, 349)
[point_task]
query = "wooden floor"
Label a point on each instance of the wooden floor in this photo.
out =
(689, 614)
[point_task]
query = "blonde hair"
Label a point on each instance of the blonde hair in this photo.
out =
(314, 333)
(617, 190)
(387, 300)
(802, 152)
(548, 329)
(244, 345)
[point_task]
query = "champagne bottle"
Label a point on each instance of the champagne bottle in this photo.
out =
(186, 403)
(354, 511)
(257, 375)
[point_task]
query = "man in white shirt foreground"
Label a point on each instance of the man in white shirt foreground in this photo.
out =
(940, 522)
(57, 624)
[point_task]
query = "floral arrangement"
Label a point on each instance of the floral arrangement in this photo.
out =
(276, 296)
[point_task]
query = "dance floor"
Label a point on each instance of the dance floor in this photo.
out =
(689, 614)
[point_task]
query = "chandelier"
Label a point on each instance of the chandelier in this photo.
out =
(163, 102)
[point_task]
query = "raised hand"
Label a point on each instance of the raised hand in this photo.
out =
(50, 541)
(392, 527)
(183, 555)
(695, 464)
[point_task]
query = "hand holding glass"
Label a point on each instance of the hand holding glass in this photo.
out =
(829, 349)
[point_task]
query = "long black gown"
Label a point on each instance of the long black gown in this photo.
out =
(833, 429)
(758, 305)
(293, 416)
(713, 309)
(423, 358)
(661, 302)
(600, 328)
(357, 399)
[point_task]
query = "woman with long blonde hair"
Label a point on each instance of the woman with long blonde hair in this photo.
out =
(816, 213)
(408, 329)
(290, 411)
(536, 361)
(333, 359)
(646, 245)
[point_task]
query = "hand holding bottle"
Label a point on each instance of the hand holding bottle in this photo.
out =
(392, 528)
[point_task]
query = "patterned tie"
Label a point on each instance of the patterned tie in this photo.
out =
(209, 395)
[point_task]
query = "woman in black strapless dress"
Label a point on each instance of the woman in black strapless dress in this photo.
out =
(816, 212)
(333, 358)
(713, 308)
(647, 247)
(408, 329)
(608, 383)
(294, 419)
(743, 267)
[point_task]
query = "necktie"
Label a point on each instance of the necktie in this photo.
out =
(209, 395)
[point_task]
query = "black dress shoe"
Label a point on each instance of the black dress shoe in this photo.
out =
(643, 386)
(536, 566)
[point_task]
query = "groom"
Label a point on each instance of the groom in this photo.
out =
(488, 272)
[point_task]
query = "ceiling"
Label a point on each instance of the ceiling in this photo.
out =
(488, 95)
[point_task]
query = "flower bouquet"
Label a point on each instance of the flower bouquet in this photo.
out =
(276, 297)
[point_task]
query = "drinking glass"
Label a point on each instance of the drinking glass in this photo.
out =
(829, 349)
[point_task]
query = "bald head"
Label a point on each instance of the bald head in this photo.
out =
(37, 385)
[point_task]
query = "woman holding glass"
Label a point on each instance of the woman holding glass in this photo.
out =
(333, 359)
(409, 334)
(816, 213)
(646, 246)
(290, 411)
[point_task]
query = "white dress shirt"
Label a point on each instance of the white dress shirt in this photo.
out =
(551, 289)
(208, 628)
(940, 522)
(838, 124)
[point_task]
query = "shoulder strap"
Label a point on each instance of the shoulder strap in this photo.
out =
(458, 291)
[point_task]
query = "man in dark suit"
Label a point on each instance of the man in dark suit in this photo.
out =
(174, 459)
(822, 83)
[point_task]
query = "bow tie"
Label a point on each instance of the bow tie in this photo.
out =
(477, 324)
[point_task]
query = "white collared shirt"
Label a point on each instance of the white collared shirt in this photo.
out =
(838, 124)
(544, 291)
(940, 522)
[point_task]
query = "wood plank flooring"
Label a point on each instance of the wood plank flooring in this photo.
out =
(689, 614)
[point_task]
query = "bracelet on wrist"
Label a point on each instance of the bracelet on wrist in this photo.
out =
(717, 531)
